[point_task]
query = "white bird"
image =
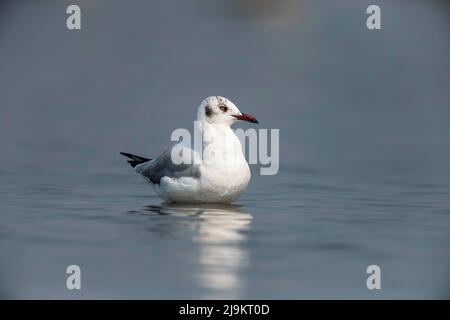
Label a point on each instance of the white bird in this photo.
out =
(218, 172)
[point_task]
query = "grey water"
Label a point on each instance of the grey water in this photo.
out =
(364, 174)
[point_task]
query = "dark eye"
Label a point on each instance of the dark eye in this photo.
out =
(223, 107)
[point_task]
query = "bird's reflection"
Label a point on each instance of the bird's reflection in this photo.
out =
(219, 231)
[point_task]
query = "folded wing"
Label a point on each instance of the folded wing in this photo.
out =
(164, 166)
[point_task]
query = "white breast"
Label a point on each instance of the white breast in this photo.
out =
(224, 171)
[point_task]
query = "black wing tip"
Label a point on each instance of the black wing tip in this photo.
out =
(125, 154)
(134, 159)
(133, 163)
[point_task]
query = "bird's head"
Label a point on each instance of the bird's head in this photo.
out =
(220, 110)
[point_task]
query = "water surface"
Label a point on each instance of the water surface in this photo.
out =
(364, 149)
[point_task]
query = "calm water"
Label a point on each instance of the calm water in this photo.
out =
(364, 149)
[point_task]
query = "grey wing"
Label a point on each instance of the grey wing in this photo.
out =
(163, 166)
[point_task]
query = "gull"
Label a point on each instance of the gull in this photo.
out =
(217, 172)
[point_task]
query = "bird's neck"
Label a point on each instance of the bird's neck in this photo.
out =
(220, 145)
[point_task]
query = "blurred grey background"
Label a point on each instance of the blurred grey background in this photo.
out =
(364, 128)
